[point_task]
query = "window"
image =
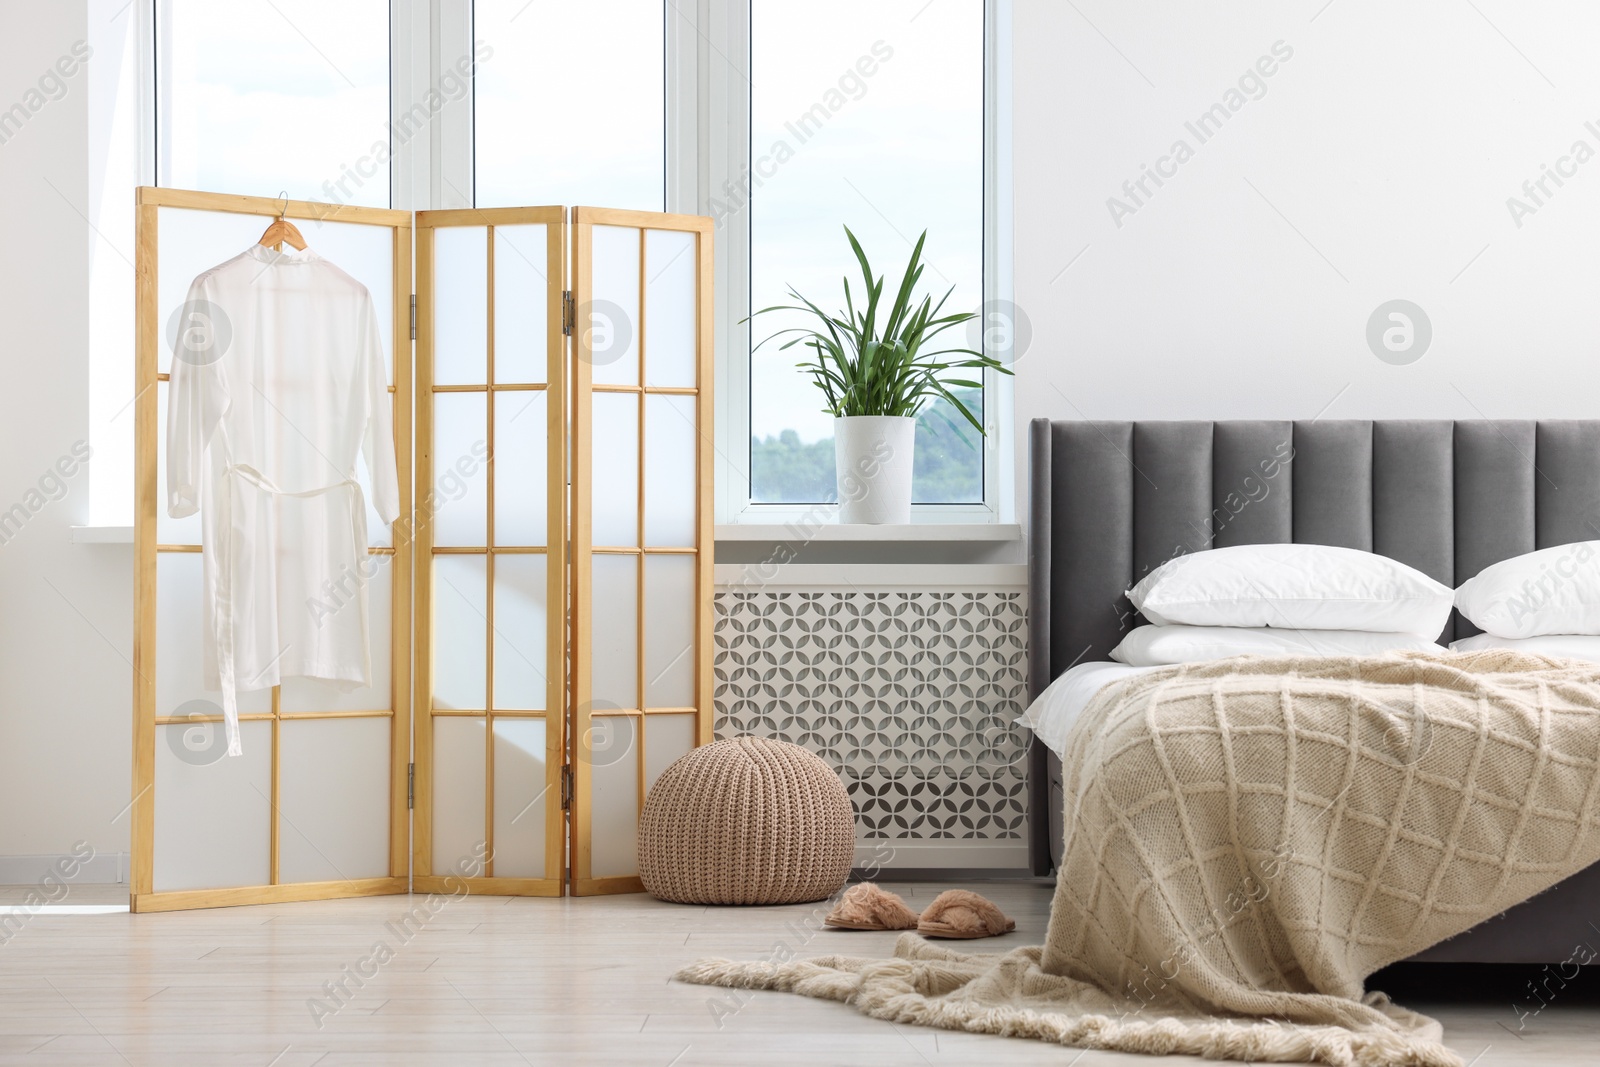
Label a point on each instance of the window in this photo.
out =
(881, 129)
(267, 95)
(252, 96)
(785, 122)
(569, 106)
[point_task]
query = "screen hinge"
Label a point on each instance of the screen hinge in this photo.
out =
(566, 312)
(411, 785)
(413, 316)
(566, 787)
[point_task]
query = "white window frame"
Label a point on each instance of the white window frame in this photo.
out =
(111, 230)
(425, 36)
(707, 116)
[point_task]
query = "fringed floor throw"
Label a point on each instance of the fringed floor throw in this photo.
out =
(1248, 840)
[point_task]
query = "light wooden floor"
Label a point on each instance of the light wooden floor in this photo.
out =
(495, 981)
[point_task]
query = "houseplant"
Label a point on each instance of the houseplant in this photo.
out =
(877, 369)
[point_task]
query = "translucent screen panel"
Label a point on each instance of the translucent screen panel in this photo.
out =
(460, 305)
(309, 694)
(521, 478)
(615, 449)
(666, 737)
(669, 631)
(532, 55)
(193, 242)
(460, 606)
(460, 505)
(614, 631)
(180, 644)
(169, 531)
(612, 318)
(212, 811)
(333, 800)
(366, 253)
(520, 621)
(614, 795)
(458, 775)
(669, 305)
(671, 482)
(521, 351)
(521, 795)
(237, 78)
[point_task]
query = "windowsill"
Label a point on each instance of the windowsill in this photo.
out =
(942, 532)
(935, 532)
(102, 535)
(911, 577)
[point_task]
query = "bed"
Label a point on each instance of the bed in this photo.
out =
(1113, 500)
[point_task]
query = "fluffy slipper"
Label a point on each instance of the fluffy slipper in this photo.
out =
(961, 913)
(866, 907)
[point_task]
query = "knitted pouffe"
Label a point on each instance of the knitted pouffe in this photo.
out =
(746, 821)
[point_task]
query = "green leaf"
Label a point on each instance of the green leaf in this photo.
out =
(875, 360)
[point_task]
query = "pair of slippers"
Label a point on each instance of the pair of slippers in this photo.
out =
(955, 913)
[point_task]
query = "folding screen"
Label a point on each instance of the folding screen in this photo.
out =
(561, 587)
(316, 805)
(641, 527)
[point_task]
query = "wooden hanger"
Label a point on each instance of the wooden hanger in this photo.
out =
(282, 230)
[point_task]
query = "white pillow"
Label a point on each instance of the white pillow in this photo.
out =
(1552, 591)
(1151, 646)
(1051, 716)
(1560, 646)
(1309, 587)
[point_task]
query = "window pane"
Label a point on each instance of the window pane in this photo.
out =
(258, 96)
(878, 128)
(570, 107)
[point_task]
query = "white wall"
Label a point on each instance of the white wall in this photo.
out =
(1376, 166)
(65, 610)
(1389, 142)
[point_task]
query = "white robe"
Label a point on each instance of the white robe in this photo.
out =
(278, 382)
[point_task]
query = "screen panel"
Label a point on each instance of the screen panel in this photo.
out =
(491, 595)
(333, 799)
(293, 830)
(457, 803)
(641, 530)
(202, 796)
(522, 801)
(522, 673)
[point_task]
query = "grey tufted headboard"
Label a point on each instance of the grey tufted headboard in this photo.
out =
(1113, 500)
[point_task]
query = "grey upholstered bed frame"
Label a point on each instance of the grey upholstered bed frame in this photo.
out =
(1113, 500)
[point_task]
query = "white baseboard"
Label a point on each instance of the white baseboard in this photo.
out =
(892, 853)
(103, 868)
(111, 868)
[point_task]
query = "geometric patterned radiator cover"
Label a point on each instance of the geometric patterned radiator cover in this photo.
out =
(910, 696)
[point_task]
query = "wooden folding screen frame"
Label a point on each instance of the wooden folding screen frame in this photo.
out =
(143, 897)
(569, 549)
(425, 877)
(582, 712)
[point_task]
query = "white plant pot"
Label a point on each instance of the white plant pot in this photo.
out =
(872, 457)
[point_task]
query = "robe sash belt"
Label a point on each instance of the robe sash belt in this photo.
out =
(224, 564)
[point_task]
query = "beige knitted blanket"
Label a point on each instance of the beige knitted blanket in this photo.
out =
(1247, 840)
